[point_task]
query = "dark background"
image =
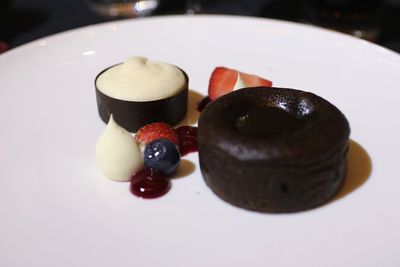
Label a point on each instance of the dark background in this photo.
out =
(22, 21)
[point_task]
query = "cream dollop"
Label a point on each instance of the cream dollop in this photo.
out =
(117, 153)
(140, 79)
(239, 83)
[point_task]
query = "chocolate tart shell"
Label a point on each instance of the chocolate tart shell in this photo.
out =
(292, 171)
(132, 115)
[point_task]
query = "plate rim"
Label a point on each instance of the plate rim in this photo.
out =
(96, 26)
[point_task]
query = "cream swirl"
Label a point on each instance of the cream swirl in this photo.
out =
(140, 79)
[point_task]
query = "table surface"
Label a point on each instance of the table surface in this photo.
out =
(26, 20)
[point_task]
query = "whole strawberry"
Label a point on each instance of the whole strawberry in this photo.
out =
(156, 130)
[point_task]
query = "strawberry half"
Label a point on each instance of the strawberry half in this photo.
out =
(156, 130)
(224, 79)
(253, 81)
(222, 82)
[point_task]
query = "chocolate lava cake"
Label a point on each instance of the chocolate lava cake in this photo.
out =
(273, 150)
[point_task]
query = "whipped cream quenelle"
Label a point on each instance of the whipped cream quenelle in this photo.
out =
(117, 153)
(140, 79)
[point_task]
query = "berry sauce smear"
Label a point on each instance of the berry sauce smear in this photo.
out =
(149, 183)
(188, 139)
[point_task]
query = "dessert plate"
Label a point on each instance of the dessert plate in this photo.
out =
(57, 209)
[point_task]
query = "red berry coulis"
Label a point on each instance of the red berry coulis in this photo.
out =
(149, 183)
(187, 136)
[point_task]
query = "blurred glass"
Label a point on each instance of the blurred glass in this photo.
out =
(123, 8)
(4, 6)
(360, 18)
(193, 6)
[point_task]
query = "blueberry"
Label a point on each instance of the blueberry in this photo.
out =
(163, 155)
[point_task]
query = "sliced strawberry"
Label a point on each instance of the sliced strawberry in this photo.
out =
(253, 80)
(156, 130)
(222, 82)
(224, 79)
(187, 138)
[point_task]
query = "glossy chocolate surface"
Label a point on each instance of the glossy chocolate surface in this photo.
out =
(271, 121)
(273, 149)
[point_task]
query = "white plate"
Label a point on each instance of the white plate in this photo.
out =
(57, 210)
